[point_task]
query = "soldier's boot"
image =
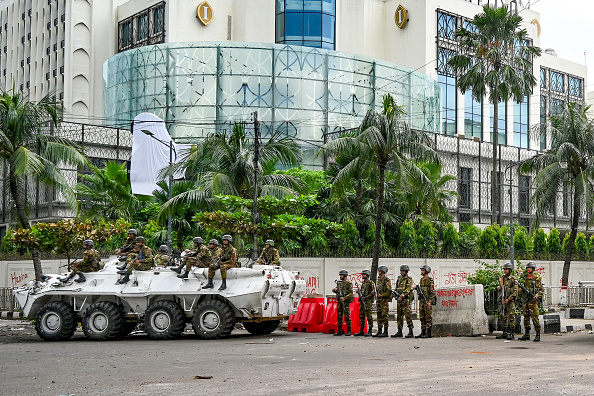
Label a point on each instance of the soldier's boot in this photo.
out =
(410, 333)
(339, 332)
(422, 335)
(348, 333)
(184, 275)
(125, 279)
(178, 268)
(385, 333)
(122, 267)
(223, 285)
(122, 272)
(64, 280)
(81, 278)
(209, 285)
(510, 333)
(369, 331)
(428, 333)
(398, 334)
(503, 335)
(537, 336)
(379, 331)
(526, 336)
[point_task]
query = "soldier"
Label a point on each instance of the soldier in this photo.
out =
(141, 260)
(227, 260)
(91, 262)
(269, 254)
(384, 296)
(215, 250)
(127, 247)
(200, 257)
(162, 257)
(342, 303)
(404, 288)
(367, 295)
(426, 295)
(533, 285)
(509, 292)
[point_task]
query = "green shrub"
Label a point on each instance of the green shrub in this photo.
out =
(451, 240)
(554, 241)
(565, 242)
(406, 243)
(469, 240)
(581, 244)
(591, 247)
(487, 241)
(521, 241)
(425, 240)
(540, 241)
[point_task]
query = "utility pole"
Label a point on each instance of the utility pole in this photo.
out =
(255, 214)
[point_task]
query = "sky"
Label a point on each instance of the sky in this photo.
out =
(568, 28)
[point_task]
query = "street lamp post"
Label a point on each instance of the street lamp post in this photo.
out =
(511, 217)
(169, 182)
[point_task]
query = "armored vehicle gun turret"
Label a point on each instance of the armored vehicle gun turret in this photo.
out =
(259, 297)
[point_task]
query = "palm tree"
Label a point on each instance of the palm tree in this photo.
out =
(181, 214)
(385, 141)
(29, 154)
(569, 160)
(495, 60)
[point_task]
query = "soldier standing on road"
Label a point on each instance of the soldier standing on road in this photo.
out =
(140, 260)
(367, 289)
(384, 296)
(509, 287)
(533, 283)
(227, 260)
(404, 288)
(269, 254)
(91, 262)
(428, 289)
(162, 257)
(199, 256)
(345, 287)
(215, 250)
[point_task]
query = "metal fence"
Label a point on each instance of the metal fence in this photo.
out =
(7, 300)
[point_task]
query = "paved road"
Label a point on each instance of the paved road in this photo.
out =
(293, 364)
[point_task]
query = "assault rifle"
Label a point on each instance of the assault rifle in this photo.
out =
(421, 294)
(338, 297)
(361, 298)
(69, 265)
(525, 290)
(502, 284)
(395, 294)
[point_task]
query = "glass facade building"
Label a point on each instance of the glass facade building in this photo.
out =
(309, 23)
(304, 92)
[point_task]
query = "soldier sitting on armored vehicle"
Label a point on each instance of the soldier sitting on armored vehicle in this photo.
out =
(215, 250)
(227, 260)
(141, 260)
(128, 244)
(91, 262)
(199, 256)
(269, 254)
(162, 257)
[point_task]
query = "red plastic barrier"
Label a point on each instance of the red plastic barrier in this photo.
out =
(309, 317)
(331, 323)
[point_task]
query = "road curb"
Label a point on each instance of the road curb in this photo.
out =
(10, 315)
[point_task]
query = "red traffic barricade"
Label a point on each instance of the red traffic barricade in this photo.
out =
(309, 317)
(330, 322)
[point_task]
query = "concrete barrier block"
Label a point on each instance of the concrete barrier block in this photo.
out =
(460, 311)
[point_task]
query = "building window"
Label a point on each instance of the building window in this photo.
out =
(521, 123)
(543, 119)
(47, 76)
(28, 84)
(557, 106)
(446, 26)
(447, 82)
(23, 39)
(557, 82)
(524, 194)
(23, 63)
(61, 69)
(56, 22)
(48, 50)
(501, 123)
(61, 95)
(306, 22)
(142, 25)
(55, 72)
(62, 43)
(576, 87)
(158, 20)
(28, 60)
(63, 18)
(56, 47)
(473, 116)
(543, 78)
(464, 187)
(144, 28)
(49, 25)
(29, 36)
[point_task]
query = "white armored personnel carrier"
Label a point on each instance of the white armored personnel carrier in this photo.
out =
(258, 297)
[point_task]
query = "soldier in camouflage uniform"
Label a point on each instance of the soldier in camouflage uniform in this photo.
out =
(127, 247)
(404, 288)
(269, 254)
(509, 292)
(199, 257)
(344, 287)
(533, 283)
(366, 297)
(227, 260)
(91, 262)
(215, 250)
(141, 260)
(384, 296)
(162, 257)
(428, 291)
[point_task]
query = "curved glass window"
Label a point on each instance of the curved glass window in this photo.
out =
(309, 23)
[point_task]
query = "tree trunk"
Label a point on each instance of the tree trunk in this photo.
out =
(24, 220)
(571, 243)
(358, 201)
(378, 221)
(494, 182)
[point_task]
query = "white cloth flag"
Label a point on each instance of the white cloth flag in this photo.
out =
(150, 153)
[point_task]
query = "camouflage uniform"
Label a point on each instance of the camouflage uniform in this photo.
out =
(215, 252)
(161, 259)
(346, 289)
(200, 258)
(404, 288)
(128, 246)
(227, 260)
(426, 285)
(530, 305)
(140, 260)
(368, 293)
(511, 293)
(269, 256)
(91, 262)
(384, 296)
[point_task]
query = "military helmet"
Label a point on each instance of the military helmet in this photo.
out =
(343, 272)
(227, 237)
(531, 265)
(383, 268)
(366, 272)
(508, 266)
(88, 242)
(140, 239)
(163, 248)
(426, 268)
(269, 242)
(404, 268)
(133, 231)
(198, 240)
(213, 241)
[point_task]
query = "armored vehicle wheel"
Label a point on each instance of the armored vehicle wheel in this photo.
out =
(56, 321)
(266, 327)
(213, 319)
(104, 321)
(164, 320)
